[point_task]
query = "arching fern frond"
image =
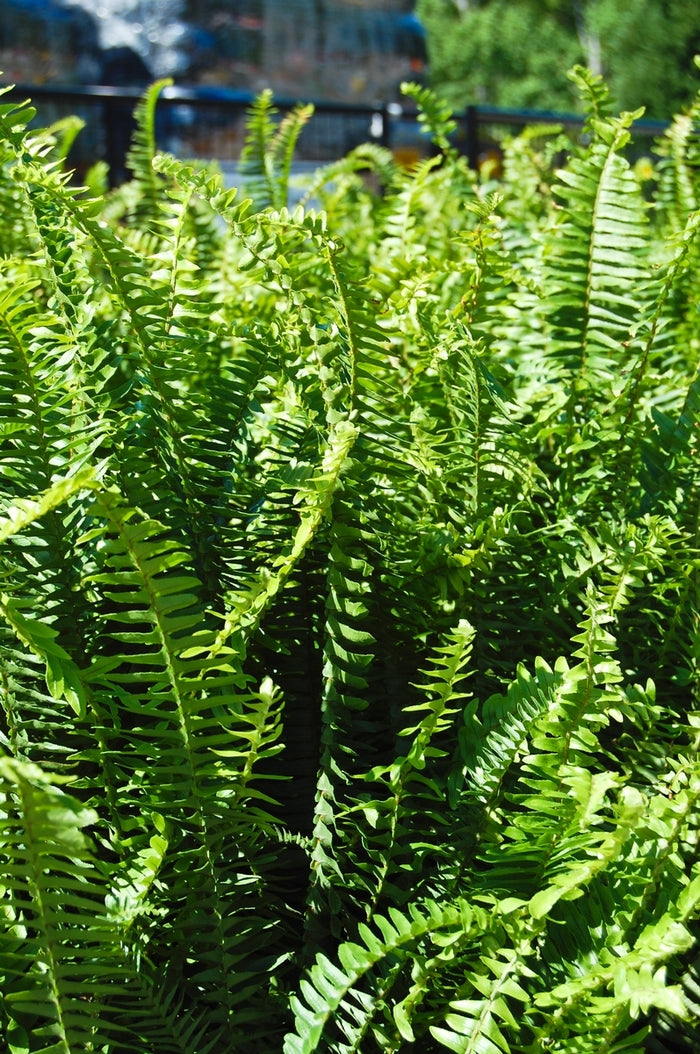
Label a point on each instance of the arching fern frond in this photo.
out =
(282, 147)
(401, 802)
(434, 115)
(256, 166)
(333, 1013)
(367, 157)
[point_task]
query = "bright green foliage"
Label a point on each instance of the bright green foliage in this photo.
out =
(349, 578)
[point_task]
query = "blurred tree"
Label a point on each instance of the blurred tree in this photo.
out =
(518, 54)
(648, 50)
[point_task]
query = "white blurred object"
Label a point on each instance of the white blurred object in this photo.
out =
(153, 29)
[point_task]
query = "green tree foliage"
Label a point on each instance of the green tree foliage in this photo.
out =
(505, 54)
(349, 577)
(500, 53)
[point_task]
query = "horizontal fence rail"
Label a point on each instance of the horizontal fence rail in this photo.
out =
(210, 123)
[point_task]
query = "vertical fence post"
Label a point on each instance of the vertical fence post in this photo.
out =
(471, 129)
(118, 125)
(111, 152)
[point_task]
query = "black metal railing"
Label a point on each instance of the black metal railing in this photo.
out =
(210, 123)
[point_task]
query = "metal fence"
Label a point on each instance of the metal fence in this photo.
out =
(210, 124)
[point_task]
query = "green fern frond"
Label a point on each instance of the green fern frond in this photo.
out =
(15, 118)
(75, 957)
(434, 115)
(673, 1033)
(55, 931)
(186, 739)
(479, 408)
(62, 135)
(671, 461)
(595, 93)
(419, 223)
(347, 657)
(653, 345)
(400, 802)
(256, 165)
(365, 157)
(596, 289)
(331, 997)
(677, 194)
(143, 147)
(492, 741)
(597, 244)
(272, 485)
(282, 148)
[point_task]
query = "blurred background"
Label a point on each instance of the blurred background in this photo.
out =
(495, 61)
(357, 50)
(93, 58)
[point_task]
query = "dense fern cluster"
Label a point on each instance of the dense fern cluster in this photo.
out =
(349, 578)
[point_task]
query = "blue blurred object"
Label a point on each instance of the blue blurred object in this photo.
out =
(66, 33)
(53, 13)
(47, 10)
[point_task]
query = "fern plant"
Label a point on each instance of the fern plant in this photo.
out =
(349, 596)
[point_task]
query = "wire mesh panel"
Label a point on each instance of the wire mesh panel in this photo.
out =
(343, 50)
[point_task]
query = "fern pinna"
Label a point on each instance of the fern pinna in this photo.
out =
(349, 594)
